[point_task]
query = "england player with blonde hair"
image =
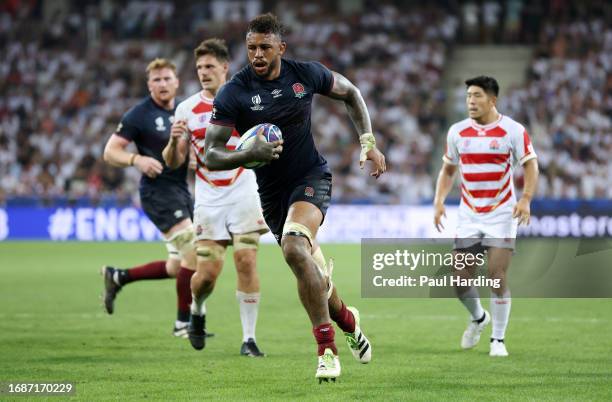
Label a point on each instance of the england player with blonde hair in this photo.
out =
(164, 194)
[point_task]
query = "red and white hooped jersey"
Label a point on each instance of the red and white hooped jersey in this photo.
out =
(486, 156)
(220, 187)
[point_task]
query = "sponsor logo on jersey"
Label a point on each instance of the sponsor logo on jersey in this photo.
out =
(494, 144)
(178, 213)
(160, 124)
(256, 103)
(309, 192)
(277, 93)
(199, 230)
(119, 127)
(298, 90)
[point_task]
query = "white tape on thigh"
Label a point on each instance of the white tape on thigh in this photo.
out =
(173, 253)
(211, 253)
(183, 241)
(297, 229)
(246, 241)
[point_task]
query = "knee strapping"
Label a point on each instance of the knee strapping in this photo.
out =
(297, 229)
(246, 241)
(211, 253)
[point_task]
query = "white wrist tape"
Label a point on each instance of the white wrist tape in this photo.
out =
(368, 142)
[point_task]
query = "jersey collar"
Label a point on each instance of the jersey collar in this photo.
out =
(206, 98)
(487, 126)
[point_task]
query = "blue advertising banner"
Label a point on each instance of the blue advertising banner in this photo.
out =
(84, 224)
(343, 223)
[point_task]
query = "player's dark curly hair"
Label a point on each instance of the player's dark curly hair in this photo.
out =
(215, 47)
(488, 84)
(266, 24)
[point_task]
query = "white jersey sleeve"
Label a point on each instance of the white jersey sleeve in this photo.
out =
(451, 155)
(521, 147)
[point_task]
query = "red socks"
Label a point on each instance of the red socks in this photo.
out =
(152, 270)
(183, 293)
(324, 334)
(344, 318)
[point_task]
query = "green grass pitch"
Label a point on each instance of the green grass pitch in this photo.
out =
(53, 328)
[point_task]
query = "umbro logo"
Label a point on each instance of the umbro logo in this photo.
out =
(277, 93)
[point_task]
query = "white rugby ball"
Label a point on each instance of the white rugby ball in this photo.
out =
(270, 133)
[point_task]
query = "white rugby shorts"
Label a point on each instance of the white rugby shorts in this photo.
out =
(487, 229)
(220, 222)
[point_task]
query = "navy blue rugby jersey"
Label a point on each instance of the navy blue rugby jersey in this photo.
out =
(247, 100)
(148, 125)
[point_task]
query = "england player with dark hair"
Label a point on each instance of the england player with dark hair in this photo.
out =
(295, 185)
(164, 194)
(227, 209)
(485, 148)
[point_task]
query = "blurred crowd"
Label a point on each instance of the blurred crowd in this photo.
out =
(566, 104)
(64, 88)
(70, 69)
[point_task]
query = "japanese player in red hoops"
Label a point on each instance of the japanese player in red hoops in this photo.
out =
(227, 209)
(295, 185)
(164, 193)
(485, 148)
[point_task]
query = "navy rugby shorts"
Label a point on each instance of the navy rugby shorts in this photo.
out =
(166, 206)
(315, 187)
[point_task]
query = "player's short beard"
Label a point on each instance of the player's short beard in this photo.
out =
(268, 72)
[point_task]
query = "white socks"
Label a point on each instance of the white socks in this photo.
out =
(471, 301)
(249, 306)
(198, 305)
(500, 312)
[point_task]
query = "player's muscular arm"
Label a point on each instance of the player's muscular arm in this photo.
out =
(220, 158)
(176, 151)
(444, 184)
(115, 154)
(531, 178)
(345, 91)
(522, 209)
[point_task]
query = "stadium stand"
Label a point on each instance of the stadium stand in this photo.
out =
(70, 68)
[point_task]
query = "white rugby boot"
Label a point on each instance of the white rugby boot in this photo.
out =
(471, 336)
(329, 367)
(498, 348)
(357, 341)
